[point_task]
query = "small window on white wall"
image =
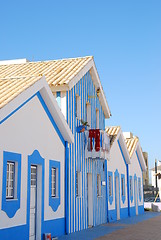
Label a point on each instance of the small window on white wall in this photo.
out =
(53, 181)
(78, 184)
(10, 180)
(110, 185)
(88, 114)
(78, 107)
(97, 118)
(98, 185)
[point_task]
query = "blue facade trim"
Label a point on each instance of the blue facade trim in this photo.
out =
(35, 159)
(66, 187)
(123, 196)
(131, 192)
(110, 197)
(50, 117)
(10, 206)
(139, 160)
(58, 98)
(54, 202)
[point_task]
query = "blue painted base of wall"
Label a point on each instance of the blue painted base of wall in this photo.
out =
(133, 210)
(112, 214)
(55, 227)
(14, 233)
(141, 209)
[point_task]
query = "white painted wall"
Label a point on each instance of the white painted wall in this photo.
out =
(117, 162)
(134, 168)
(26, 130)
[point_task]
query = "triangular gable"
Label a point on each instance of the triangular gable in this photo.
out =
(43, 92)
(133, 146)
(115, 134)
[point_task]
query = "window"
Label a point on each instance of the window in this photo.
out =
(110, 185)
(54, 184)
(98, 185)
(88, 113)
(10, 180)
(58, 98)
(122, 186)
(53, 181)
(97, 118)
(11, 183)
(78, 184)
(78, 107)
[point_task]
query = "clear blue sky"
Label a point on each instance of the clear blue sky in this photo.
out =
(123, 36)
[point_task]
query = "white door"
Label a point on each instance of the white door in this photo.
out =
(136, 199)
(90, 200)
(117, 199)
(33, 191)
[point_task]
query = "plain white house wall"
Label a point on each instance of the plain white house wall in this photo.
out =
(117, 162)
(28, 129)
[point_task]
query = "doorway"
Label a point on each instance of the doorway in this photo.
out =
(33, 202)
(117, 198)
(90, 199)
(136, 198)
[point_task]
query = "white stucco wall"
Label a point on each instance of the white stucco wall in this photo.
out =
(134, 168)
(117, 162)
(28, 129)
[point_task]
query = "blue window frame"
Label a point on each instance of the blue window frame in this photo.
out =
(11, 195)
(110, 187)
(131, 188)
(123, 187)
(54, 184)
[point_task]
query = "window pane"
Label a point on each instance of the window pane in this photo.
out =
(53, 182)
(10, 180)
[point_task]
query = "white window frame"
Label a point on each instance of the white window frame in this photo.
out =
(10, 184)
(110, 185)
(88, 114)
(54, 176)
(78, 182)
(98, 185)
(97, 118)
(78, 107)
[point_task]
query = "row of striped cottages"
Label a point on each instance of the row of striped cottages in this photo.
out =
(73, 179)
